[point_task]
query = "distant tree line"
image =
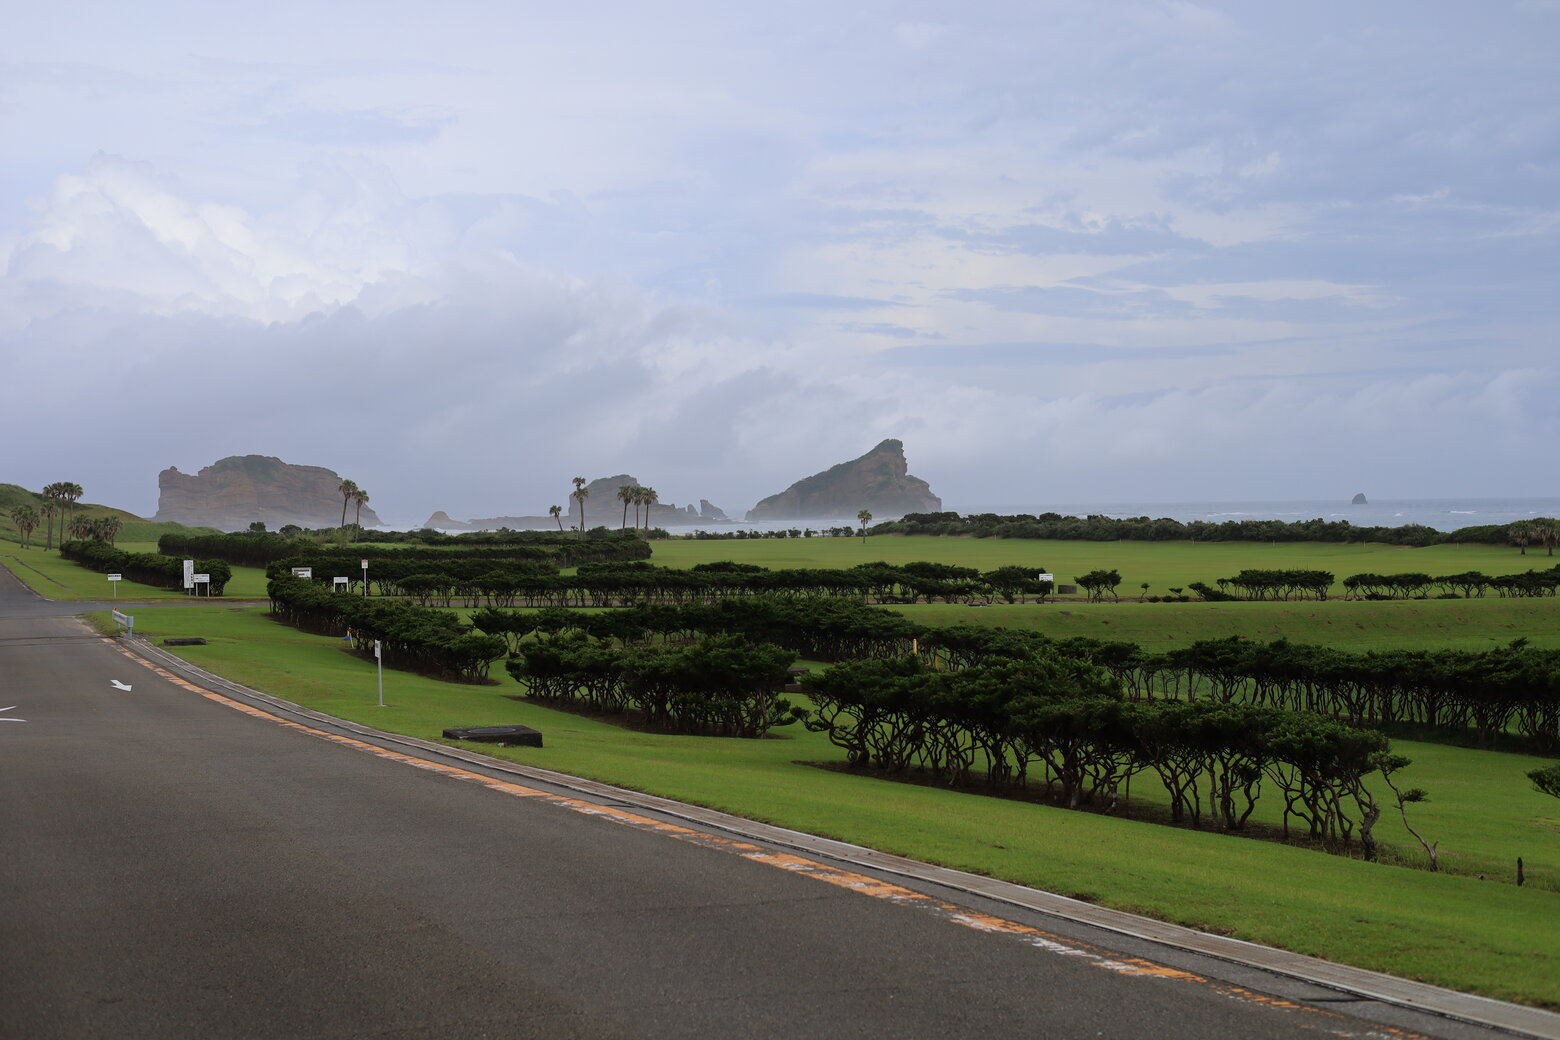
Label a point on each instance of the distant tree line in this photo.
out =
(1098, 528)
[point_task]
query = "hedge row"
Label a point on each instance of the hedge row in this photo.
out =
(1058, 714)
(146, 568)
(430, 641)
(1141, 528)
(264, 550)
(722, 686)
(443, 580)
(1515, 688)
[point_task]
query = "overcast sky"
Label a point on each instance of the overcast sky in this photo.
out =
(1094, 251)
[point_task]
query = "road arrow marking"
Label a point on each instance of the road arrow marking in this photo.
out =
(116, 684)
(11, 708)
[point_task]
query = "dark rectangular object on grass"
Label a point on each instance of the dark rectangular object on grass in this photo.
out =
(508, 736)
(191, 641)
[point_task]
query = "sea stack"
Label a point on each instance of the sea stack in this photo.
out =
(878, 481)
(1359, 500)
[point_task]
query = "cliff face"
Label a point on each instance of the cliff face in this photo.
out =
(234, 492)
(879, 481)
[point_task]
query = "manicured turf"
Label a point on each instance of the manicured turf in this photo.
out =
(1486, 936)
(57, 578)
(1465, 624)
(1161, 564)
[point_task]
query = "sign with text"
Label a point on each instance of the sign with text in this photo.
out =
(341, 582)
(1045, 577)
(115, 577)
(303, 572)
(201, 579)
(189, 574)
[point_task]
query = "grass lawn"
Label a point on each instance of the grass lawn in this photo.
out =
(1486, 936)
(57, 578)
(1161, 564)
(1463, 624)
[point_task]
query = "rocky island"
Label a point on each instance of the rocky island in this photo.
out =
(234, 492)
(602, 509)
(878, 481)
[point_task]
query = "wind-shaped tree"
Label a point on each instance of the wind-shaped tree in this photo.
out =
(359, 496)
(556, 512)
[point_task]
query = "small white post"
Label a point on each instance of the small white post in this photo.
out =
(365, 579)
(379, 663)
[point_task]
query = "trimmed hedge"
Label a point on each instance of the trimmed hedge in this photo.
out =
(147, 568)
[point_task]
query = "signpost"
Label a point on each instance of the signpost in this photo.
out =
(124, 621)
(339, 584)
(189, 574)
(113, 583)
(203, 580)
(365, 578)
(379, 663)
(303, 572)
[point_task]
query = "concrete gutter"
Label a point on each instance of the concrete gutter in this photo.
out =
(1417, 996)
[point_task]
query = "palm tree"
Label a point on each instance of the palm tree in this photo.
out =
(556, 512)
(866, 518)
(580, 494)
(649, 497)
(359, 496)
(1519, 533)
(625, 494)
(108, 528)
(346, 489)
(70, 494)
(50, 508)
(1547, 532)
(80, 527)
(26, 520)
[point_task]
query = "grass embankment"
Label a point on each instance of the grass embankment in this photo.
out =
(1455, 930)
(53, 576)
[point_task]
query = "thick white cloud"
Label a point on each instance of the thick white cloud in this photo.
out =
(1152, 250)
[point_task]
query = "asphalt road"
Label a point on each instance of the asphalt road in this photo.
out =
(171, 866)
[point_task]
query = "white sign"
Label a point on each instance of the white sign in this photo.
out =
(365, 565)
(200, 579)
(376, 648)
(341, 581)
(1045, 577)
(115, 577)
(303, 572)
(124, 621)
(189, 574)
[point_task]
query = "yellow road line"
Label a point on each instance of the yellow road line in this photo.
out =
(861, 884)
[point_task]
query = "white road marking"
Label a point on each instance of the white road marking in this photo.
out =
(11, 708)
(119, 685)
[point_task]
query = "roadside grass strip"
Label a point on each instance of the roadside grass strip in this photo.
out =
(1326, 1021)
(1483, 936)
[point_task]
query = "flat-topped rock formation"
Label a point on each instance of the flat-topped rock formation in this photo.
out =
(234, 492)
(879, 481)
